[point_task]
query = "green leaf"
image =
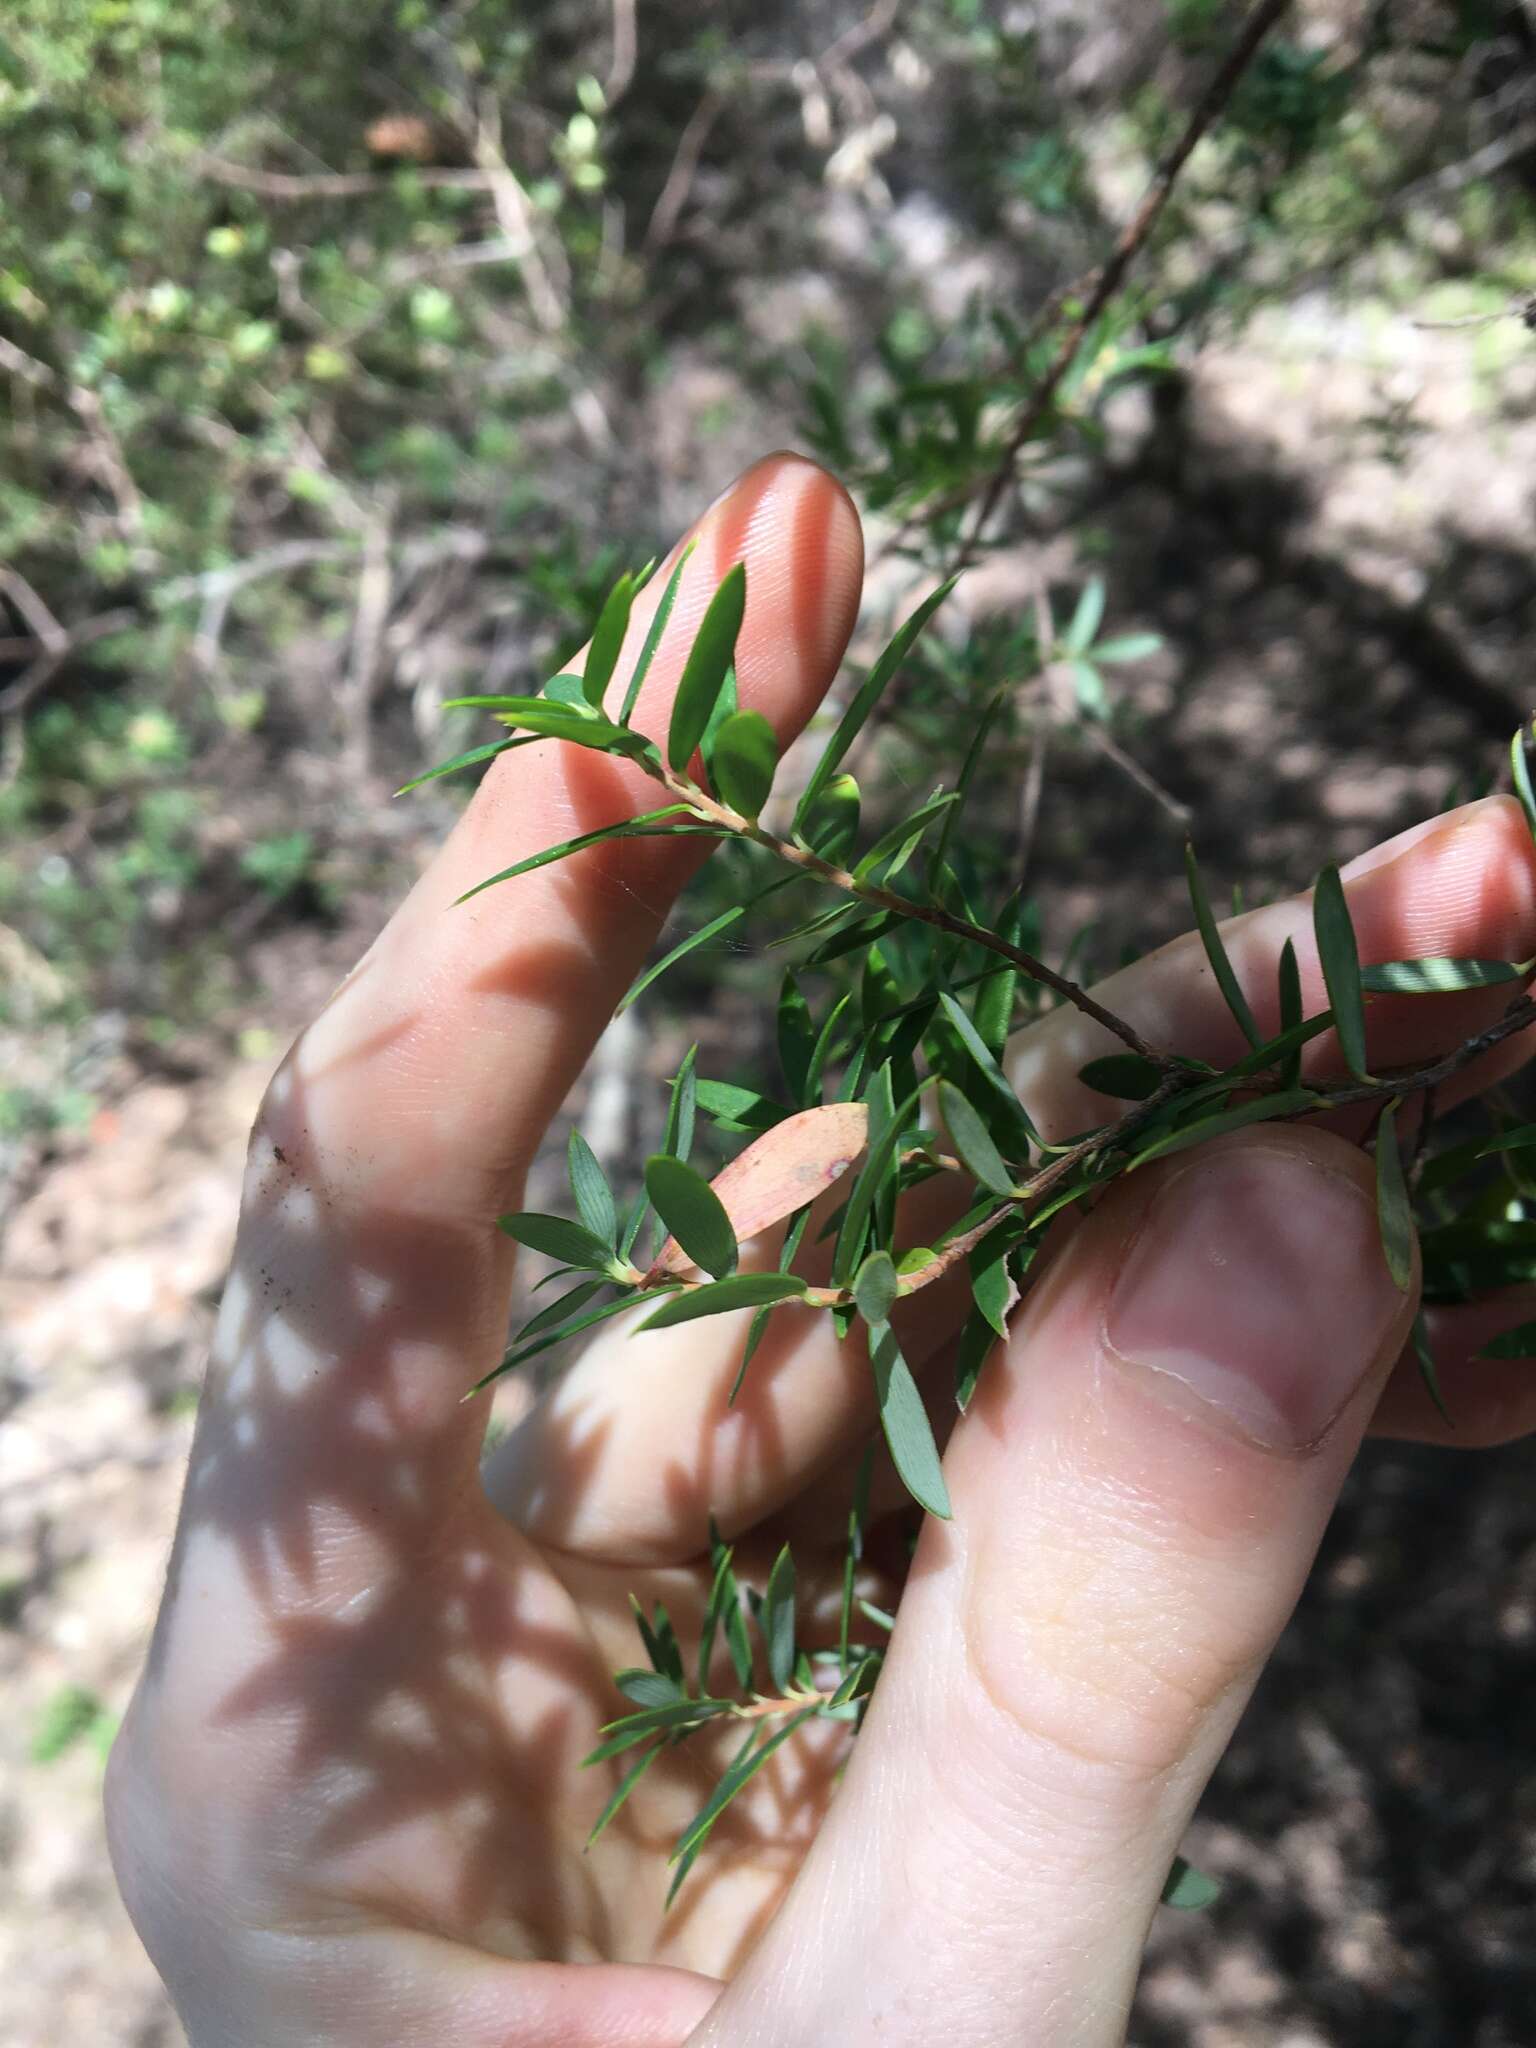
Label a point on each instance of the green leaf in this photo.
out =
(831, 826)
(1087, 618)
(1437, 977)
(859, 1681)
(594, 1197)
(648, 825)
(985, 1064)
(1128, 647)
(1520, 1342)
(973, 1141)
(626, 1785)
(974, 754)
(1125, 1075)
(1189, 1889)
(740, 1109)
(647, 1688)
(1341, 968)
(1291, 1011)
(695, 939)
(997, 993)
(632, 1728)
(660, 1640)
(776, 1619)
(864, 701)
(1394, 1211)
(748, 1762)
(874, 1287)
(682, 1106)
(476, 754)
(569, 1304)
(745, 757)
(905, 1422)
(704, 672)
(566, 690)
(1088, 687)
(885, 1130)
(520, 1353)
(1517, 1138)
(1263, 1109)
(977, 1338)
(897, 845)
(607, 641)
(719, 1297)
(988, 1265)
(1216, 952)
(652, 639)
(1520, 768)
(557, 1238)
(724, 1608)
(1419, 1338)
(692, 1212)
(550, 719)
(797, 1039)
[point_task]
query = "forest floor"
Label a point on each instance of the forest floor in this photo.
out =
(1347, 607)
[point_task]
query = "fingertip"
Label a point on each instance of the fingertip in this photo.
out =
(798, 532)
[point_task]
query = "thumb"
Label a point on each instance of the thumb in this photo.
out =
(1139, 1491)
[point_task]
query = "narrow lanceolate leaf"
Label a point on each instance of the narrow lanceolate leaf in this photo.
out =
(648, 825)
(1394, 1211)
(607, 640)
(740, 1109)
(1438, 977)
(550, 719)
(893, 849)
(984, 1062)
(1189, 1889)
(594, 1197)
(830, 826)
(1125, 1075)
(566, 690)
(797, 1039)
(557, 1238)
(747, 1763)
(692, 1213)
(1419, 1338)
(977, 1340)
(1292, 1011)
(520, 1353)
(632, 1728)
(973, 1141)
(1087, 617)
(1263, 1109)
(879, 1165)
(1519, 1342)
(874, 1287)
(704, 672)
(475, 755)
(997, 993)
(905, 1422)
(1128, 647)
(569, 1304)
(652, 639)
(776, 1618)
(1341, 968)
(1216, 952)
(784, 1169)
(696, 939)
(1520, 768)
(626, 1785)
(648, 1688)
(719, 1297)
(743, 761)
(865, 699)
(1517, 1138)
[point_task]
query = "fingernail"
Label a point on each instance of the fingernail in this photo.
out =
(1257, 1285)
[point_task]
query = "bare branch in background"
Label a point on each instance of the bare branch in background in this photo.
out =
(1113, 272)
(365, 657)
(328, 184)
(621, 66)
(685, 166)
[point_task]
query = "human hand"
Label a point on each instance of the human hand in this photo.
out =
(346, 1805)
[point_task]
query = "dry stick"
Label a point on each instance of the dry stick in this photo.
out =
(1113, 273)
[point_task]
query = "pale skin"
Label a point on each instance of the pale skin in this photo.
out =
(346, 1806)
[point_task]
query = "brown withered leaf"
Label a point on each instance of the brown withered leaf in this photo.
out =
(780, 1172)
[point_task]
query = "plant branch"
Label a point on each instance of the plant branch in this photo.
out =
(711, 811)
(1113, 272)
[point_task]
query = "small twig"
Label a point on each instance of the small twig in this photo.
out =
(621, 65)
(1112, 274)
(685, 165)
(1110, 748)
(329, 184)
